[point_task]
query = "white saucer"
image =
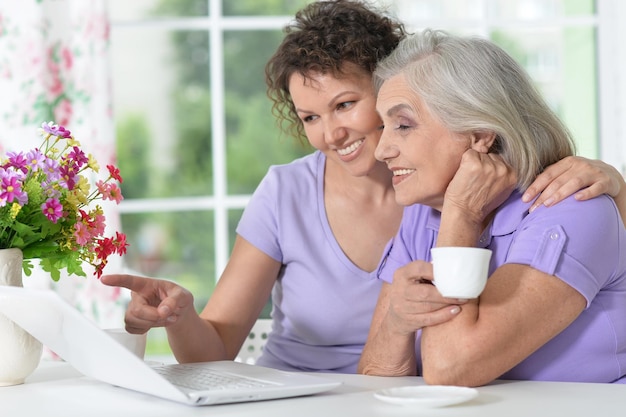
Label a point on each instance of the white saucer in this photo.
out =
(427, 396)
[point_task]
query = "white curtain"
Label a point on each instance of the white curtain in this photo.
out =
(54, 66)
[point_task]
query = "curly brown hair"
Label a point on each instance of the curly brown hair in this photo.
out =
(323, 37)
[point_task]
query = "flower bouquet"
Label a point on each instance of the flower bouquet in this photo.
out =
(48, 208)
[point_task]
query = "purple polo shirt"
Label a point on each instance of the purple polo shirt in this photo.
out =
(583, 244)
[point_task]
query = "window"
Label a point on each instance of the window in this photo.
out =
(195, 131)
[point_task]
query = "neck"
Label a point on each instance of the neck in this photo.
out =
(376, 184)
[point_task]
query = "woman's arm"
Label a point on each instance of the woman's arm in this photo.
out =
(520, 310)
(585, 178)
(217, 333)
(388, 351)
(483, 182)
(390, 347)
(480, 185)
(484, 340)
(241, 293)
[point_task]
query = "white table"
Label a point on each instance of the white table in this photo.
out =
(56, 390)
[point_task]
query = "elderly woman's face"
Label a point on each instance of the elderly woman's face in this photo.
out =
(422, 154)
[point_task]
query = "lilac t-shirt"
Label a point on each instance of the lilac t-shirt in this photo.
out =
(322, 302)
(581, 242)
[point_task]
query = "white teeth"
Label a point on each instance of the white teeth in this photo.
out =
(350, 149)
(402, 172)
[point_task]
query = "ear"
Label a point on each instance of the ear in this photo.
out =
(481, 141)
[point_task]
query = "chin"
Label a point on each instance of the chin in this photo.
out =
(404, 200)
(409, 199)
(361, 168)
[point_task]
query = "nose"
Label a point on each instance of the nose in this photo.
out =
(384, 150)
(334, 131)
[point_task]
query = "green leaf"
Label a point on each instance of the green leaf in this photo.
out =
(27, 267)
(75, 267)
(42, 249)
(23, 229)
(48, 266)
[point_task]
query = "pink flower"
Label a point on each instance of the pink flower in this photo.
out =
(51, 168)
(11, 187)
(82, 233)
(56, 130)
(18, 161)
(102, 187)
(78, 157)
(109, 191)
(35, 160)
(98, 224)
(68, 176)
(52, 209)
(115, 194)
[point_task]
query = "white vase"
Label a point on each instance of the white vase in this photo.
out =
(20, 353)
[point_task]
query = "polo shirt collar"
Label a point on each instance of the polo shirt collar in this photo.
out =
(508, 216)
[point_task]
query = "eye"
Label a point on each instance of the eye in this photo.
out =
(308, 119)
(381, 127)
(345, 105)
(404, 124)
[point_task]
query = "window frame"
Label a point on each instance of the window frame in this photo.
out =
(611, 82)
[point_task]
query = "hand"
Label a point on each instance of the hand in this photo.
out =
(481, 184)
(587, 178)
(415, 302)
(154, 302)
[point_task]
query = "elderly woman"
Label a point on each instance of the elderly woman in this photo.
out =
(554, 307)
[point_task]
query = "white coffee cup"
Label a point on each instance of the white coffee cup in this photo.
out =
(136, 343)
(460, 272)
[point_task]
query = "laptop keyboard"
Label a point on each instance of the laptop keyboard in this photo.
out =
(197, 378)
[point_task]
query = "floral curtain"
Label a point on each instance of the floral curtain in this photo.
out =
(54, 66)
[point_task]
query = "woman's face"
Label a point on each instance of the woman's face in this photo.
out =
(339, 117)
(421, 153)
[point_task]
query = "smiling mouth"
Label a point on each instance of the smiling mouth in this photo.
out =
(399, 172)
(348, 150)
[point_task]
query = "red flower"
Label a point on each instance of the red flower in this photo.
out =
(105, 248)
(120, 243)
(115, 173)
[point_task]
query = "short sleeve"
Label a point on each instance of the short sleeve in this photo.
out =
(259, 221)
(570, 240)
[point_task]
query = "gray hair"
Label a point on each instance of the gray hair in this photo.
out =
(472, 85)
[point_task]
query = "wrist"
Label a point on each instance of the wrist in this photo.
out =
(459, 227)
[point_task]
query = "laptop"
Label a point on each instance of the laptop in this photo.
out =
(91, 351)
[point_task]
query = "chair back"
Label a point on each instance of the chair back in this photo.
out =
(254, 343)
